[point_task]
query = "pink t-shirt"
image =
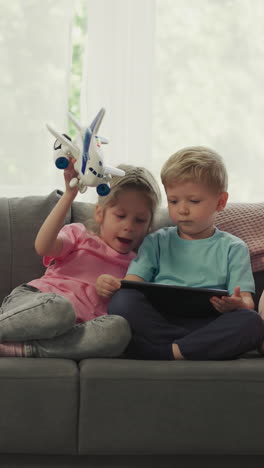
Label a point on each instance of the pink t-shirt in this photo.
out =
(73, 274)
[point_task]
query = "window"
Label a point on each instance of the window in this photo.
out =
(35, 46)
(175, 73)
(170, 73)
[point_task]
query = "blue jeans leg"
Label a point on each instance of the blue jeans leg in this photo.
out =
(28, 314)
(104, 337)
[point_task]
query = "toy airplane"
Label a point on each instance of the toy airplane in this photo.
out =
(89, 159)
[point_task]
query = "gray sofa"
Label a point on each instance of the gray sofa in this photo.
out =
(117, 412)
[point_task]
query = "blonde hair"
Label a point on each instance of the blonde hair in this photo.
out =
(196, 163)
(135, 178)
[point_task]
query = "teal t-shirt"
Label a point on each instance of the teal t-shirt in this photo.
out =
(221, 261)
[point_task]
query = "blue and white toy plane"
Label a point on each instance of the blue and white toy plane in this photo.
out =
(88, 155)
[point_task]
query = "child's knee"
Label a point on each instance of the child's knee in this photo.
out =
(63, 313)
(124, 302)
(115, 334)
(253, 324)
(120, 327)
(117, 305)
(256, 322)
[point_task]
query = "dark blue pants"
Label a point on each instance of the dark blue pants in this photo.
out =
(225, 336)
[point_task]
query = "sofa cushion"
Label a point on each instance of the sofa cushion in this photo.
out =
(21, 219)
(190, 407)
(38, 406)
(246, 220)
(82, 212)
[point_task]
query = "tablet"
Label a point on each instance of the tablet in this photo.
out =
(173, 300)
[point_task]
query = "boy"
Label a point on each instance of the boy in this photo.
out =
(194, 253)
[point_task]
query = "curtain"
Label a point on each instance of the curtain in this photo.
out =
(209, 79)
(35, 54)
(176, 73)
(118, 75)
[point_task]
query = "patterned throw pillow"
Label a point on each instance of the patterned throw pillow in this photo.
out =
(246, 220)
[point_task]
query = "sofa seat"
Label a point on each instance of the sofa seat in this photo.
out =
(39, 405)
(183, 407)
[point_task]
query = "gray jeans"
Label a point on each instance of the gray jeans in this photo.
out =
(45, 322)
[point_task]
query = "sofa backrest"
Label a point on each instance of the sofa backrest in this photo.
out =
(22, 217)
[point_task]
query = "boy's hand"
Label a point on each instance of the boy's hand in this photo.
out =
(107, 285)
(227, 303)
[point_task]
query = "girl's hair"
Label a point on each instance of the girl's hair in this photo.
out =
(196, 163)
(135, 178)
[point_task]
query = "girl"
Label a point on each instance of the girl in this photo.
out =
(60, 315)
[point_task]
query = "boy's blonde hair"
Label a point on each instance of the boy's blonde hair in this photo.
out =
(135, 178)
(196, 163)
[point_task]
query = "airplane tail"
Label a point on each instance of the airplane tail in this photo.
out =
(74, 121)
(97, 121)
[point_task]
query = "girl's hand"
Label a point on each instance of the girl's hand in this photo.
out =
(70, 173)
(227, 303)
(107, 285)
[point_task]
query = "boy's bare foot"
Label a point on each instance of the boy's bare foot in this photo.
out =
(176, 352)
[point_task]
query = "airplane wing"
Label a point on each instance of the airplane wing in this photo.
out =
(64, 141)
(103, 140)
(113, 171)
(75, 122)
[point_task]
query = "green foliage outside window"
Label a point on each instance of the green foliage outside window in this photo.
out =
(79, 29)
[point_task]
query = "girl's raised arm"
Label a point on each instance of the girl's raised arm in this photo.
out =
(47, 241)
